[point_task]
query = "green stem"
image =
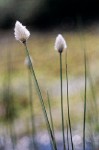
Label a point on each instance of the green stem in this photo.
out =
(50, 114)
(85, 66)
(40, 98)
(67, 136)
(51, 119)
(92, 90)
(69, 121)
(84, 120)
(31, 110)
(62, 113)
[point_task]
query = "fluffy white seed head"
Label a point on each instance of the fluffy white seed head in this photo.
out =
(27, 61)
(77, 140)
(20, 32)
(60, 43)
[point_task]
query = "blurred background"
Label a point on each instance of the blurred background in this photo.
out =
(78, 22)
(43, 14)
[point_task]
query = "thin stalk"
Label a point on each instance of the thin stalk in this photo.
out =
(51, 119)
(85, 93)
(85, 90)
(31, 110)
(67, 136)
(87, 74)
(91, 136)
(62, 113)
(69, 121)
(12, 137)
(92, 90)
(40, 98)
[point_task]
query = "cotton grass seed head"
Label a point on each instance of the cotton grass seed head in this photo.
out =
(60, 43)
(20, 32)
(27, 61)
(77, 140)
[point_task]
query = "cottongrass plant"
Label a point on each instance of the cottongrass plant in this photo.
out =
(85, 86)
(50, 115)
(60, 45)
(68, 107)
(94, 96)
(85, 98)
(67, 136)
(22, 34)
(86, 75)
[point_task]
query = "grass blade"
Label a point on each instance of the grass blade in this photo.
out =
(50, 113)
(51, 119)
(69, 121)
(84, 119)
(67, 136)
(62, 113)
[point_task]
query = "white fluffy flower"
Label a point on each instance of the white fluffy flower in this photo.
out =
(20, 32)
(27, 61)
(77, 140)
(60, 43)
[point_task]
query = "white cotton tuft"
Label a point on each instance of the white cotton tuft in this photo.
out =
(60, 43)
(27, 61)
(20, 32)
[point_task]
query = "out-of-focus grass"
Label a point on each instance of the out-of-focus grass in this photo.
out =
(46, 64)
(41, 47)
